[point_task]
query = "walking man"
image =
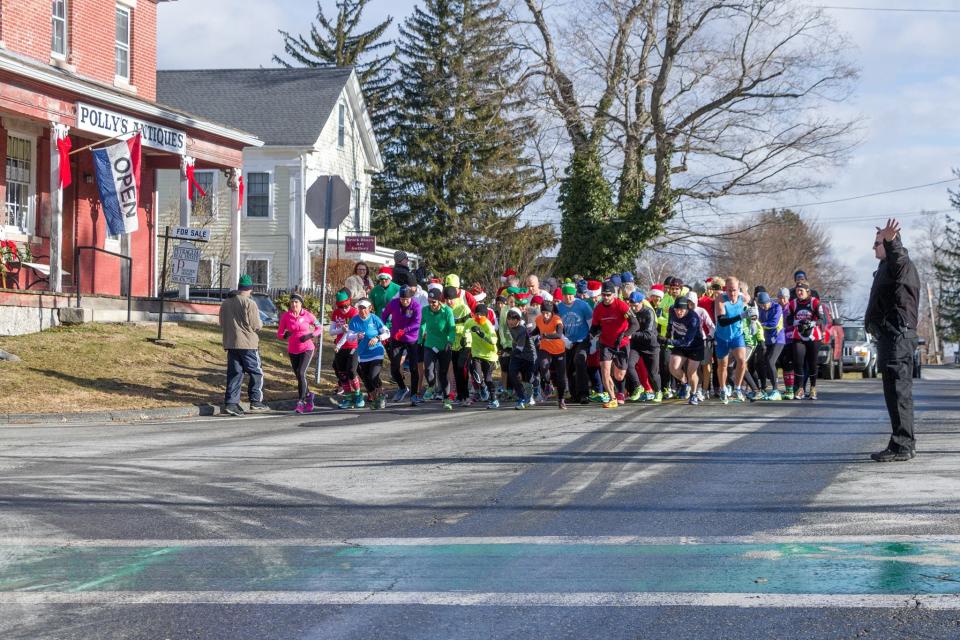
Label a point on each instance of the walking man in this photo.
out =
(891, 316)
(240, 322)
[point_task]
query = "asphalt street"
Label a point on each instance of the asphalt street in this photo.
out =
(741, 521)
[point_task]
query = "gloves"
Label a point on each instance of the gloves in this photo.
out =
(477, 330)
(305, 337)
(566, 343)
(286, 334)
(399, 334)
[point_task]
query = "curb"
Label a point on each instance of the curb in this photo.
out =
(127, 415)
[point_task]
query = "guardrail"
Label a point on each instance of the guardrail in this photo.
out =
(78, 278)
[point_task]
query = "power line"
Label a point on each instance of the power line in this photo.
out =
(887, 9)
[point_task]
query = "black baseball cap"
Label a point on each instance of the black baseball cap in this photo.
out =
(434, 294)
(608, 287)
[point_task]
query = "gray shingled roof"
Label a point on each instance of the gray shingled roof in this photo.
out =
(279, 106)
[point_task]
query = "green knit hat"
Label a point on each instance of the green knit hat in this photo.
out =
(246, 283)
(343, 296)
(568, 288)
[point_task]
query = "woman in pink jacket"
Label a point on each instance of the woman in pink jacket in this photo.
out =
(299, 327)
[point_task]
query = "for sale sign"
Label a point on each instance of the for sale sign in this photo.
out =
(186, 265)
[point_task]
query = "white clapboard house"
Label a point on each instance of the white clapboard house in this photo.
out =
(313, 123)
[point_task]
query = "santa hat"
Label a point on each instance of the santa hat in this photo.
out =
(558, 293)
(656, 290)
(385, 271)
(537, 300)
(477, 292)
(435, 286)
(507, 274)
(593, 288)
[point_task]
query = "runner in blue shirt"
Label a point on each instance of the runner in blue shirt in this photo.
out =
(731, 309)
(576, 315)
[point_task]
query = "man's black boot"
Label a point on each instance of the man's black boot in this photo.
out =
(889, 455)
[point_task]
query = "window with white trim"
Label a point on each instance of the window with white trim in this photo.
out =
(58, 38)
(259, 271)
(342, 125)
(21, 184)
(205, 205)
(122, 43)
(258, 194)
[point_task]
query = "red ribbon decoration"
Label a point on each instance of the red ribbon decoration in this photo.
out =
(193, 184)
(64, 145)
(239, 192)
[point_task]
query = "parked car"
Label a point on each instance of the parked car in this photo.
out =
(269, 314)
(859, 351)
(831, 349)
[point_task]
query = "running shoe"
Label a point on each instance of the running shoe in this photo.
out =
(415, 400)
(381, 402)
(774, 396)
(637, 395)
(359, 402)
(561, 404)
(346, 403)
(700, 395)
(596, 396)
(259, 406)
(308, 405)
(299, 408)
(685, 392)
(738, 396)
(447, 404)
(233, 409)
(753, 396)
(724, 398)
(401, 395)
(621, 399)
(668, 394)
(428, 394)
(788, 395)
(657, 398)
(493, 404)
(467, 402)
(729, 390)
(611, 404)
(484, 394)
(798, 394)
(813, 394)
(694, 400)
(521, 404)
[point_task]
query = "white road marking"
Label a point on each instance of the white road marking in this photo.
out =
(489, 599)
(478, 540)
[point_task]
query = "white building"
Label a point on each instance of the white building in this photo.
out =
(313, 123)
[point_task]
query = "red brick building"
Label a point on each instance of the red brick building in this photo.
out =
(88, 68)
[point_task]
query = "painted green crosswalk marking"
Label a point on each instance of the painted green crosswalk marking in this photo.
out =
(780, 568)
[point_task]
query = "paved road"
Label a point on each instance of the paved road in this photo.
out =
(745, 521)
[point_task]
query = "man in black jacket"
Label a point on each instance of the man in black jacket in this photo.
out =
(891, 316)
(401, 269)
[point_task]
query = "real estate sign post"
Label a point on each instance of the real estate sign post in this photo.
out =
(186, 261)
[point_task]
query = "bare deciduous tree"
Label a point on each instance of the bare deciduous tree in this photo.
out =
(693, 100)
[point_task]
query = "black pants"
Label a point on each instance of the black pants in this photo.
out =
(651, 360)
(483, 370)
(770, 362)
(895, 362)
(396, 352)
(578, 378)
(756, 364)
(553, 367)
(300, 363)
(345, 367)
(461, 373)
(435, 365)
(370, 373)
(239, 363)
(520, 371)
(805, 363)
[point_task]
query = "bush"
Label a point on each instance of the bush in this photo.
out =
(310, 302)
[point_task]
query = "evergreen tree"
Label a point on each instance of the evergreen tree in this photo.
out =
(457, 177)
(947, 266)
(339, 44)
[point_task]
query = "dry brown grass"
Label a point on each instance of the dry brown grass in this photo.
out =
(98, 367)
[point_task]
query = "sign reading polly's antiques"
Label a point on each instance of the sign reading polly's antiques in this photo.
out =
(111, 124)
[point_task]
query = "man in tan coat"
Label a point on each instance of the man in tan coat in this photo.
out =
(240, 321)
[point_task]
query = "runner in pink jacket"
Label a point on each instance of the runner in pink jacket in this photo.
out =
(299, 327)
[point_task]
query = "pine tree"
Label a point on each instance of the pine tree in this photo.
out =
(457, 178)
(947, 266)
(338, 44)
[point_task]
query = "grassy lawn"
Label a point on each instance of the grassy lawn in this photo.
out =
(96, 367)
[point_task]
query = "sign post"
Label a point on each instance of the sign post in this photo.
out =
(185, 264)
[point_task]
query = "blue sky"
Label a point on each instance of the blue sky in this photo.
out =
(907, 95)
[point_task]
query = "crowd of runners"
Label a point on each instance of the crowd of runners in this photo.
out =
(560, 341)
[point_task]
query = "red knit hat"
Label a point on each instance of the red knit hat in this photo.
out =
(593, 288)
(537, 300)
(557, 294)
(385, 271)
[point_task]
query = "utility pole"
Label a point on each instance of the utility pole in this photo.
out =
(933, 326)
